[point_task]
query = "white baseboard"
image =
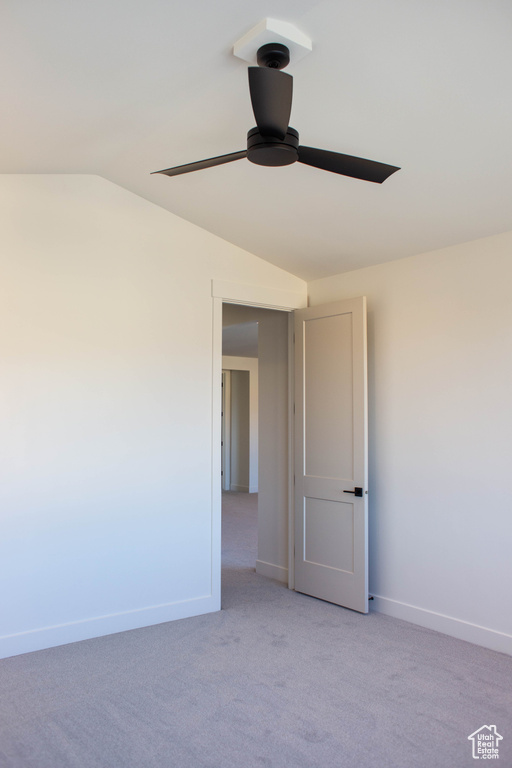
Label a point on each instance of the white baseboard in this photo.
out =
(272, 571)
(49, 637)
(253, 489)
(240, 488)
(463, 630)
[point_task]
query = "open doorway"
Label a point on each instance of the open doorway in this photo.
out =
(255, 442)
(239, 460)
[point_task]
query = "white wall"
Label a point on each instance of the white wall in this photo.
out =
(274, 447)
(106, 409)
(440, 394)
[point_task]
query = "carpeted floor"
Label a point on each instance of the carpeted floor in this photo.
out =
(275, 679)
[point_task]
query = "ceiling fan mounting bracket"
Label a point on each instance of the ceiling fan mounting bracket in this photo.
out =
(273, 31)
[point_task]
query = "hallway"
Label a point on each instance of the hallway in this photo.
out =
(239, 545)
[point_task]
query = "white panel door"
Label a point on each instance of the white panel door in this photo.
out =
(331, 518)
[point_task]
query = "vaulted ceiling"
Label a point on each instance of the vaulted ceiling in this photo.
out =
(121, 89)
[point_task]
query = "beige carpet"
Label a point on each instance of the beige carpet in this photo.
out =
(275, 679)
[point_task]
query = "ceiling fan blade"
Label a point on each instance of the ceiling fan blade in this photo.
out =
(220, 160)
(347, 165)
(271, 97)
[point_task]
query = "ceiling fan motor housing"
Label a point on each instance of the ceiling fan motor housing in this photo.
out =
(273, 55)
(268, 150)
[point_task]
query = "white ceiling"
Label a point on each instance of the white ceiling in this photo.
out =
(122, 88)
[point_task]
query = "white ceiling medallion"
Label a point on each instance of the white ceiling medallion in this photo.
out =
(273, 31)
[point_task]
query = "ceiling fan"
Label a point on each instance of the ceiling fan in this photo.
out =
(273, 142)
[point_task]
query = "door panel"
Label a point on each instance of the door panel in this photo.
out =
(331, 550)
(328, 534)
(328, 397)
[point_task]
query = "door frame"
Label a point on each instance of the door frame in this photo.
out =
(226, 430)
(266, 298)
(231, 364)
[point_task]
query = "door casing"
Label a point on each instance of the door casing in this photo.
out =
(267, 299)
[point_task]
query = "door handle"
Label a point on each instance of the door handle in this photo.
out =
(356, 491)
